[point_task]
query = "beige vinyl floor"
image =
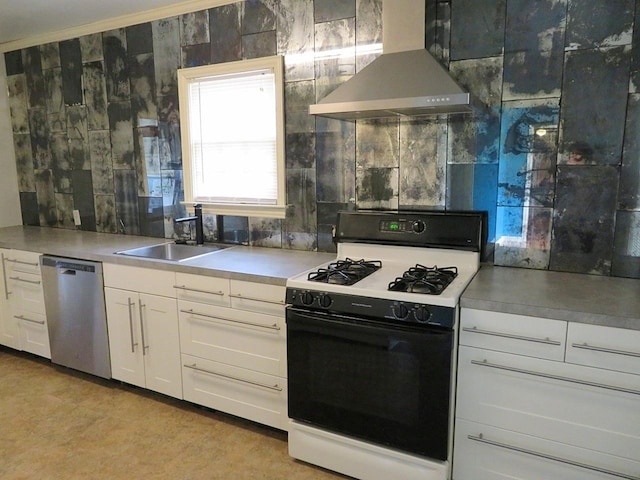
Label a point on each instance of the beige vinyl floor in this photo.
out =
(59, 424)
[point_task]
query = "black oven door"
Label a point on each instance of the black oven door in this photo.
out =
(386, 384)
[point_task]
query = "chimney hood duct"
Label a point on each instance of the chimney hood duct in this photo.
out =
(404, 81)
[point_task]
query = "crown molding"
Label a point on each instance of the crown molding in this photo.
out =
(113, 23)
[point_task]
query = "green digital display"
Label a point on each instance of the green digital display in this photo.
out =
(394, 226)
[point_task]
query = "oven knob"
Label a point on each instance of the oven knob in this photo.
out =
(325, 301)
(306, 298)
(418, 226)
(421, 314)
(400, 311)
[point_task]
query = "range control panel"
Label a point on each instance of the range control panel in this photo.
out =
(402, 226)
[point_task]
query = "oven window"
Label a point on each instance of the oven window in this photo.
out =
(385, 384)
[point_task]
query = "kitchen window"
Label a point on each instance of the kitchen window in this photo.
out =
(232, 125)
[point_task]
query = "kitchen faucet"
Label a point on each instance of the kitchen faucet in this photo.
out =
(197, 217)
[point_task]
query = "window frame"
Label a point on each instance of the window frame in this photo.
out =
(188, 75)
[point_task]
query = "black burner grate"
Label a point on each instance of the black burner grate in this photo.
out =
(426, 280)
(345, 272)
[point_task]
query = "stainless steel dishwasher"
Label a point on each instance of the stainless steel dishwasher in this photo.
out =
(74, 302)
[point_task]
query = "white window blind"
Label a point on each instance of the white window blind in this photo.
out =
(232, 122)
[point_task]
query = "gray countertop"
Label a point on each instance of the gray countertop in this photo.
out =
(594, 299)
(264, 265)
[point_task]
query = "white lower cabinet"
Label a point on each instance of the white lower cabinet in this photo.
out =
(23, 322)
(143, 332)
(518, 416)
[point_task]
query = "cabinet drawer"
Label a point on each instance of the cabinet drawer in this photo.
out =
(505, 332)
(587, 407)
(249, 340)
(604, 347)
(21, 261)
(25, 293)
(258, 297)
(202, 289)
(244, 393)
(34, 334)
(487, 453)
(145, 280)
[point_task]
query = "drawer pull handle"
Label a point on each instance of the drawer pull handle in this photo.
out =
(33, 282)
(195, 367)
(585, 346)
(485, 363)
(184, 287)
(133, 344)
(22, 317)
(243, 297)
(4, 278)
(480, 438)
(546, 341)
(13, 260)
(216, 317)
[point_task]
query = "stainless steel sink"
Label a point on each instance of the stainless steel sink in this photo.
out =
(172, 251)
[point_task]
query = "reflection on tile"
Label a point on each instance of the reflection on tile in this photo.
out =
(143, 102)
(481, 77)
(39, 128)
(592, 132)
(121, 127)
(64, 210)
(196, 55)
(46, 198)
(166, 54)
(101, 164)
(626, 256)
(629, 195)
(327, 10)
(17, 89)
(139, 39)
(83, 198)
(78, 134)
(151, 217)
(50, 55)
(33, 73)
(334, 70)
(258, 45)
(29, 208)
(295, 29)
(634, 84)
(335, 160)
(259, 16)
(226, 38)
(60, 163)
(71, 63)
(13, 62)
(466, 30)
(53, 90)
(126, 197)
(599, 23)
(172, 187)
(105, 213)
(535, 26)
(116, 65)
(299, 125)
(169, 141)
(523, 237)
(148, 162)
(377, 143)
(460, 186)
(236, 229)
(423, 149)
(194, 28)
(377, 188)
(583, 219)
(24, 162)
(95, 96)
(532, 74)
(368, 32)
(301, 206)
(91, 47)
(439, 30)
(327, 219)
(528, 153)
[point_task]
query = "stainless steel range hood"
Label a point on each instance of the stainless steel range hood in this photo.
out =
(404, 81)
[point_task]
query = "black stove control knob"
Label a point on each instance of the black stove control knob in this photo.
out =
(421, 314)
(418, 226)
(325, 300)
(400, 311)
(306, 298)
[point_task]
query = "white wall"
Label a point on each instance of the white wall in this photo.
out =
(9, 197)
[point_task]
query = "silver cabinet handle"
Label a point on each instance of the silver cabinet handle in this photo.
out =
(141, 309)
(13, 260)
(129, 305)
(253, 324)
(485, 363)
(237, 295)
(480, 438)
(22, 317)
(4, 278)
(184, 287)
(33, 282)
(595, 348)
(546, 341)
(195, 367)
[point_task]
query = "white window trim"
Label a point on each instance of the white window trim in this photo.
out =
(188, 74)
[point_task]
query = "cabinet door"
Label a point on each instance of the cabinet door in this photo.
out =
(160, 344)
(125, 343)
(9, 328)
